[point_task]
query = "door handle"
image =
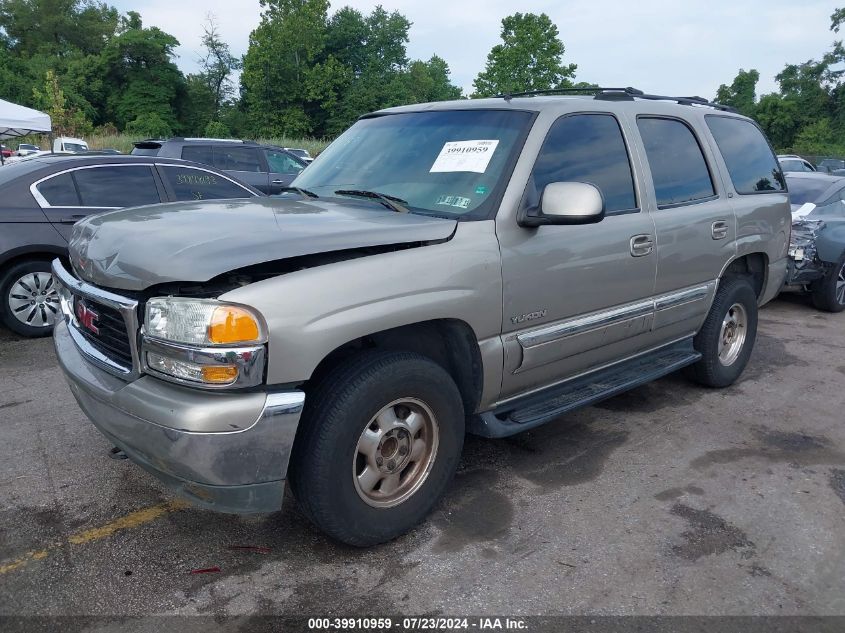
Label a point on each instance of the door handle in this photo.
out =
(642, 245)
(278, 181)
(719, 230)
(72, 219)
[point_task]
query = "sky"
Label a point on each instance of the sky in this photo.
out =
(678, 48)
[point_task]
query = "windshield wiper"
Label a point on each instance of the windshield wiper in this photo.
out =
(391, 202)
(302, 192)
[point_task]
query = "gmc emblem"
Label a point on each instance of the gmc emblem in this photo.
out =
(87, 317)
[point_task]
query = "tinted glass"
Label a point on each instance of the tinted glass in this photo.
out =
(198, 154)
(586, 148)
(803, 190)
(59, 191)
(751, 164)
(282, 162)
(793, 165)
(677, 165)
(128, 186)
(449, 163)
(196, 184)
(233, 158)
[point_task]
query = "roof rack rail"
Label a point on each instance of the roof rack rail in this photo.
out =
(620, 94)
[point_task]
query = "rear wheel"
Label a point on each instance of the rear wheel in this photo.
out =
(29, 298)
(829, 293)
(379, 441)
(727, 337)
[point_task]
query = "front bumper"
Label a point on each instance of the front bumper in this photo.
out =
(225, 451)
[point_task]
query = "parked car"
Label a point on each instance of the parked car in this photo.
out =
(817, 245)
(69, 144)
(483, 265)
(301, 153)
(26, 149)
(42, 197)
(790, 163)
(267, 168)
(5, 151)
(831, 164)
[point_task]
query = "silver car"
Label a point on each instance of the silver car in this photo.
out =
(479, 266)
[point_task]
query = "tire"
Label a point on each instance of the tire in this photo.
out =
(721, 365)
(829, 293)
(327, 464)
(22, 284)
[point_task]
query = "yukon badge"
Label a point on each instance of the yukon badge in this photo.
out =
(538, 314)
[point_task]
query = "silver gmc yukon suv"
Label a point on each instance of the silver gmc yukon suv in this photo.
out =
(478, 266)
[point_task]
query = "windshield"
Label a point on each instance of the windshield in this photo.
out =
(448, 162)
(804, 190)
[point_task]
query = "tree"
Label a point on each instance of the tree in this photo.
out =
(742, 93)
(530, 57)
(66, 120)
(217, 66)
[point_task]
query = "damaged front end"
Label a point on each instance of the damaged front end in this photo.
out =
(805, 265)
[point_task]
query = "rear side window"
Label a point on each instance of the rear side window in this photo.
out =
(586, 148)
(677, 164)
(198, 154)
(59, 191)
(751, 163)
(116, 186)
(197, 184)
(282, 162)
(233, 158)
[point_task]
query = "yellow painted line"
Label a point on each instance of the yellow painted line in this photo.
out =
(131, 520)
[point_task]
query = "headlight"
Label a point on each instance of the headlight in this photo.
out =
(202, 322)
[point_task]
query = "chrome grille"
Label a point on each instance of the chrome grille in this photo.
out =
(106, 331)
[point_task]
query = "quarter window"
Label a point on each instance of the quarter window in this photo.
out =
(751, 163)
(116, 186)
(586, 148)
(197, 184)
(677, 164)
(59, 191)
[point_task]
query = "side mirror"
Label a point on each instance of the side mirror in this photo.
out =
(567, 203)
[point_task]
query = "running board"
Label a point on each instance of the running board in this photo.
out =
(535, 410)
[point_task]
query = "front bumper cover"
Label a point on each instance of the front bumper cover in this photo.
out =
(228, 452)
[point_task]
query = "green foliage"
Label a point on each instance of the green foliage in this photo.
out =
(216, 129)
(742, 93)
(530, 57)
(149, 125)
(66, 119)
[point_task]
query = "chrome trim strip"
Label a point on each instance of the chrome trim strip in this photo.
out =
(249, 360)
(283, 403)
(42, 201)
(580, 325)
(671, 300)
(128, 308)
(583, 324)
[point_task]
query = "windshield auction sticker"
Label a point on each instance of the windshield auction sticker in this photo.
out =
(464, 156)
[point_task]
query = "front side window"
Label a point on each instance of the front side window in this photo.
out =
(282, 162)
(449, 162)
(677, 164)
(111, 186)
(586, 148)
(59, 191)
(234, 158)
(198, 184)
(752, 165)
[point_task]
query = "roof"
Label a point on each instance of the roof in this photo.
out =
(16, 120)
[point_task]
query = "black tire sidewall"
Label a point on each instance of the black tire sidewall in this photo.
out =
(323, 463)
(824, 295)
(709, 370)
(15, 272)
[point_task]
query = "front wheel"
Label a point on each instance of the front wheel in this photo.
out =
(29, 298)
(379, 441)
(829, 292)
(727, 337)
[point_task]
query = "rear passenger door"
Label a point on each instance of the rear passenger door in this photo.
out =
(69, 196)
(577, 296)
(694, 221)
(283, 169)
(244, 163)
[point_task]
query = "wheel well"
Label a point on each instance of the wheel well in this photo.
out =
(753, 267)
(448, 342)
(29, 256)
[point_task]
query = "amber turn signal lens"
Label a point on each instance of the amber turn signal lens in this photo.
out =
(219, 374)
(231, 324)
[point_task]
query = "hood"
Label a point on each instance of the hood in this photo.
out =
(133, 249)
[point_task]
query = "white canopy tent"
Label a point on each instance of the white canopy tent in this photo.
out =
(18, 121)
